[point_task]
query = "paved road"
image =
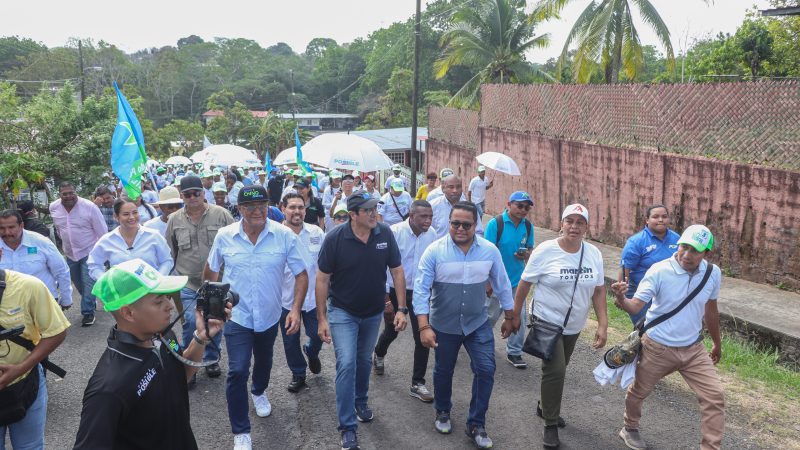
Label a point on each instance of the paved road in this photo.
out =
(308, 420)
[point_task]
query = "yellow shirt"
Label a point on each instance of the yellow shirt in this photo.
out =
(422, 193)
(27, 301)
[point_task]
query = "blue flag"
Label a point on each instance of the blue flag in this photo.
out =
(268, 163)
(128, 158)
(304, 166)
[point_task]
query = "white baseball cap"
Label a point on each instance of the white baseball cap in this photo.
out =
(575, 208)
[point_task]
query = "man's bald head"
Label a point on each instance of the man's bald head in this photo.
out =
(452, 188)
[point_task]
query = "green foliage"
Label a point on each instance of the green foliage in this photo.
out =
(187, 135)
(491, 39)
(755, 41)
(9, 102)
(13, 50)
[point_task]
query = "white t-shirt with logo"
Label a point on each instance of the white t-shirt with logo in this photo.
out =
(478, 189)
(553, 271)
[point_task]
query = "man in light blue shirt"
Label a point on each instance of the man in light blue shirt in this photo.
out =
(33, 254)
(254, 252)
(450, 307)
(515, 242)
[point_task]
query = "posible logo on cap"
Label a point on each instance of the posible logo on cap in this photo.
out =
(147, 275)
(578, 209)
(254, 193)
(700, 236)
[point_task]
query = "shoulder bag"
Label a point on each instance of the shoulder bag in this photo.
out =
(543, 335)
(403, 216)
(626, 351)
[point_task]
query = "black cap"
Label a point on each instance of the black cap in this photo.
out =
(191, 182)
(252, 193)
(301, 182)
(25, 206)
(348, 177)
(361, 199)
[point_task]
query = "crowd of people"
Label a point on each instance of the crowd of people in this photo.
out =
(329, 256)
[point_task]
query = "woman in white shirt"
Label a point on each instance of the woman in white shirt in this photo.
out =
(553, 266)
(128, 241)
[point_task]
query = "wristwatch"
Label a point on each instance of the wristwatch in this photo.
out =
(403, 310)
(197, 339)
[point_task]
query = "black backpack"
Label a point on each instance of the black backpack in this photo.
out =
(500, 224)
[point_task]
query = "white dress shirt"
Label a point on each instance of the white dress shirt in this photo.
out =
(148, 245)
(411, 248)
(38, 257)
(310, 239)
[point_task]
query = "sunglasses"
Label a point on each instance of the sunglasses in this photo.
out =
(193, 193)
(523, 205)
(464, 225)
(370, 211)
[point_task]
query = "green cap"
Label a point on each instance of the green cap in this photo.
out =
(206, 174)
(127, 282)
(219, 186)
(699, 237)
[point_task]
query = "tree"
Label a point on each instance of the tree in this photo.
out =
(606, 37)
(490, 37)
(755, 40)
(281, 48)
(187, 135)
(189, 40)
(318, 46)
(9, 102)
(13, 50)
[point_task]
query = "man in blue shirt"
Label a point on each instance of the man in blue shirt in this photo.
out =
(450, 307)
(515, 243)
(254, 253)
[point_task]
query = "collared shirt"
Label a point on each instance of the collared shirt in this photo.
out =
(513, 238)
(28, 302)
(80, 228)
(411, 248)
(310, 240)
(108, 215)
(255, 271)
(146, 212)
(478, 188)
(451, 286)
(391, 214)
(327, 197)
(233, 195)
(190, 243)
(667, 284)
(434, 194)
(137, 398)
(358, 269)
(38, 257)
(148, 245)
(441, 216)
(644, 249)
(157, 224)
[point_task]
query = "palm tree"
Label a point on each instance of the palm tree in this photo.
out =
(606, 37)
(492, 37)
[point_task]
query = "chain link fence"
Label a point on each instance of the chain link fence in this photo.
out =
(748, 122)
(455, 126)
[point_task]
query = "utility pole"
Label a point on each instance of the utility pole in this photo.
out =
(80, 65)
(414, 103)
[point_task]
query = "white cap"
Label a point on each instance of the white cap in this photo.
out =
(575, 208)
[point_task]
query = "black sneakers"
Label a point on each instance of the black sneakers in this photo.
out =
(88, 320)
(517, 361)
(550, 437)
(213, 371)
(297, 384)
(314, 364)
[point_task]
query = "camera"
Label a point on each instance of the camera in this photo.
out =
(212, 297)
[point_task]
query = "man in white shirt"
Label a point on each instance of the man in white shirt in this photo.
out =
(676, 344)
(453, 193)
(476, 192)
(169, 201)
(397, 176)
(310, 239)
(30, 253)
(328, 195)
(437, 191)
(207, 177)
(393, 207)
(413, 236)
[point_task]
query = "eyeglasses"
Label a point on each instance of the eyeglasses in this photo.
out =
(464, 225)
(252, 208)
(340, 217)
(523, 205)
(193, 193)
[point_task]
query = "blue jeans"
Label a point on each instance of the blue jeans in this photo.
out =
(481, 206)
(353, 342)
(244, 343)
(189, 301)
(638, 316)
(79, 274)
(28, 433)
(291, 342)
(515, 341)
(480, 347)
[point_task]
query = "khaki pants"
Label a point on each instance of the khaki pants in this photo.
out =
(695, 366)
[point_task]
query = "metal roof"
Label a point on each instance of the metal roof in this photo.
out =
(394, 139)
(788, 11)
(317, 116)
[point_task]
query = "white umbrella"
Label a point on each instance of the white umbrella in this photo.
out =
(288, 156)
(499, 162)
(200, 156)
(178, 160)
(345, 151)
(230, 155)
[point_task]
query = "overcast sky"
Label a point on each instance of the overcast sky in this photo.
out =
(151, 23)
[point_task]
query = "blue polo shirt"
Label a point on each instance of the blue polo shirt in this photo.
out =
(644, 249)
(512, 239)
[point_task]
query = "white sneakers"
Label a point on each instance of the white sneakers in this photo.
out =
(242, 442)
(263, 407)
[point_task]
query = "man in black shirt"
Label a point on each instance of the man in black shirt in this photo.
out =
(353, 261)
(137, 397)
(29, 219)
(275, 189)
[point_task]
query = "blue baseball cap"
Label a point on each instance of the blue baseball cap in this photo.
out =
(520, 196)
